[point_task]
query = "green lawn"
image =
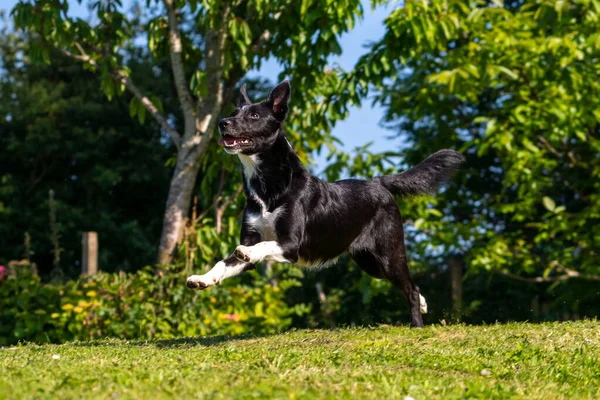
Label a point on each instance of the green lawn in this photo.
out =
(559, 360)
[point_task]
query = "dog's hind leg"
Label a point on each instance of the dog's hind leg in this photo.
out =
(383, 256)
(396, 271)
(416, 302)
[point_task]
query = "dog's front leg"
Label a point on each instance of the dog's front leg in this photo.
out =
(228, 267)
(269, 251)
(222, 270)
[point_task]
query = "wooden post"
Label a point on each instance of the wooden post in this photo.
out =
(456, 277)
(89, 265)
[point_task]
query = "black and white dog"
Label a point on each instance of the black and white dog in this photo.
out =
(292, 216)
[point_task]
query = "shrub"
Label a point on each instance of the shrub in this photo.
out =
(141, 305)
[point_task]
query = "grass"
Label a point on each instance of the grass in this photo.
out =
(533, 361)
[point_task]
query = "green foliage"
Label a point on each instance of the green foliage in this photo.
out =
(515, 87)
(106, 170)
(141, 305)
(533, 361)
(211, 45)
(251, 30)
(512, 85)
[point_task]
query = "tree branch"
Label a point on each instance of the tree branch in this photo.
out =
(215, 60)
(548, 146)
(222, 92)
(567, 274)
(237, 74)
(229, 89)
(181, 84)
(223, 205)
(230, 199)
(83, 58)
(122, 77)
(256, 44)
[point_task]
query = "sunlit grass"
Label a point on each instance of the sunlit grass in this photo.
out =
(547, 361)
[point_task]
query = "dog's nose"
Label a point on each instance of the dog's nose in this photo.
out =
(223, 123)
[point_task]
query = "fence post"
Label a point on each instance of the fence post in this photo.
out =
(89, 265)
(456, 278)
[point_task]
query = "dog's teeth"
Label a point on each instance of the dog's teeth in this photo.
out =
(236, 142)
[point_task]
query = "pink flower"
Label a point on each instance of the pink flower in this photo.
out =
(3, 272)
(232, 317)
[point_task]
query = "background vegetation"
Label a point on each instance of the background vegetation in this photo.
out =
(98, 118)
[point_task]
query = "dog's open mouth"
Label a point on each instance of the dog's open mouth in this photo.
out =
(230, 141)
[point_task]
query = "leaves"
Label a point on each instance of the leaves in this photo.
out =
(84, 309)
(198, 84)
(64, 135)
(516, 88)
(549, 203)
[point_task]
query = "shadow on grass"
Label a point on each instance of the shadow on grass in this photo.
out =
(206, 341)
(203, 341)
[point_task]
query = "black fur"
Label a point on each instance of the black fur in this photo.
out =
(319, 221)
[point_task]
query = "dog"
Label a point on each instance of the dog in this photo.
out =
(294, 217)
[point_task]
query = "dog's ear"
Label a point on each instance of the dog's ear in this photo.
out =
(243, 99)
(279, 97)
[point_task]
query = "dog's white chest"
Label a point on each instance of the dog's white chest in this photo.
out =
(263, 222)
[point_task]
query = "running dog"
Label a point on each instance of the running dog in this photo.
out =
(294, 217)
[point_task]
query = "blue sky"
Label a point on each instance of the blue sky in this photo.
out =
(362, 124)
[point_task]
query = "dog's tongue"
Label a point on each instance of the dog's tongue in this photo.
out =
(227, 140)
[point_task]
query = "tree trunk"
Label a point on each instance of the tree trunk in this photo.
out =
(178, 204)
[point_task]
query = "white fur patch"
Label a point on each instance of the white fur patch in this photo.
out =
(269, 251)
(250, 164)
(264, 222)
(316, 263)
(423, 304)
(218, 273)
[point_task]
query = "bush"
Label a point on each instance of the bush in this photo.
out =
(141, 305)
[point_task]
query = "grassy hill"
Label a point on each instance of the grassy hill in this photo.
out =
(533, 361)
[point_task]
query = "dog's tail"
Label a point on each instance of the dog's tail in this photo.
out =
(426, 177)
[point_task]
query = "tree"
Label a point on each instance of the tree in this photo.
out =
(210, 45)
(515, 86)
(105, 169)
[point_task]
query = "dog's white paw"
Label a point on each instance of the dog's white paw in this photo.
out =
(423, 304)
(245, 254)
(199, 282)
(213, 277)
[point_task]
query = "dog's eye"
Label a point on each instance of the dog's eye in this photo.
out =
(254, 116)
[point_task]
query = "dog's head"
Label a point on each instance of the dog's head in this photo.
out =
(253, 128)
